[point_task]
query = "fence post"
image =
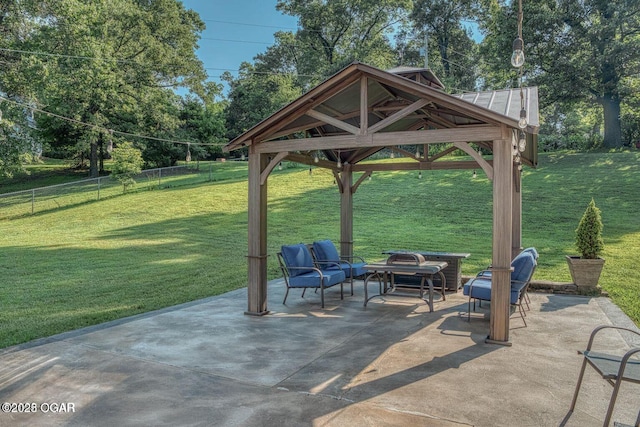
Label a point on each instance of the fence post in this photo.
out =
(99, 188)
(210, 172)
(33, 201)
(159, 177)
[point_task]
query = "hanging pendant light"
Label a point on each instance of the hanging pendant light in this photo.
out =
(522, 123)
(517, 57)
(420, 175)
(316, 159)
(280, 166)
(392, 155)
(310, 171)
(188, 159)
(417, 152)
(522, 141)
(475, 175)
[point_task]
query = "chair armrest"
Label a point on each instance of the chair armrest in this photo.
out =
(602, 327)
(625, 359)
(328, 263)
(483, 272)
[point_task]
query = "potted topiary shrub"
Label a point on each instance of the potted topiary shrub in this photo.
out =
(585, 269)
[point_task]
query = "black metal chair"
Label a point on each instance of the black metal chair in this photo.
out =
(613, 368)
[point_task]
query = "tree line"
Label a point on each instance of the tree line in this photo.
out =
(124, 68)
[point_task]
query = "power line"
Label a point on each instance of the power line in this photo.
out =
(103, 129)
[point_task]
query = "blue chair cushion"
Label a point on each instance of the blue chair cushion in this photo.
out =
(354, 270)
(482, 289)
(297, 256)
(523, 266)
(326, 251)
(532, 251)
(330, 277)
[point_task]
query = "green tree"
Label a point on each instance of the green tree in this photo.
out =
(333, 34)
(127, 163)
(112, 64)
(15, 139)
(577, 51)
(452, 51)
(203, 123)
(253, 97)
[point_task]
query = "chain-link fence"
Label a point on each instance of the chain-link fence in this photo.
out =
(20, 203)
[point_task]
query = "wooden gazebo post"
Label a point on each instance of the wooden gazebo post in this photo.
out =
(346, 211)
(516, 226)
(502, 229)
(257, 229)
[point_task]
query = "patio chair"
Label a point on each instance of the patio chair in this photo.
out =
(300, 271)
(479, 288)
(325, 251)
(612, 368)
(532, 251)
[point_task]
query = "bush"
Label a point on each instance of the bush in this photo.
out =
(589, 233)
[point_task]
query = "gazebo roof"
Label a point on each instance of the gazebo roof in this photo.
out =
(394, 104)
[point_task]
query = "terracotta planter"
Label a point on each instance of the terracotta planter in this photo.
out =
(585, 273)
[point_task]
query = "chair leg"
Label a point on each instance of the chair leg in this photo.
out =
(321, 296)
(522, 314)
(469, 310)
(612, 401)
(285, 295)
(575, 393)
(351, 284)
(303, 291)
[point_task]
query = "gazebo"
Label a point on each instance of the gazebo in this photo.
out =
(362, 110)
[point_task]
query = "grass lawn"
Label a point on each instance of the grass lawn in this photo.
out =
(107, 259)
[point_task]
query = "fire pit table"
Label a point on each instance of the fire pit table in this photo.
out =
(407, 264)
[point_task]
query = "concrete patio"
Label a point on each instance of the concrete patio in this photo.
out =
(390, 364)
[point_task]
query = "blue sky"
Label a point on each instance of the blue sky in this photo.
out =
(252, 21)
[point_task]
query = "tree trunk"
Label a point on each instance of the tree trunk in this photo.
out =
(612, 126)
(93, 161)
(101, 153)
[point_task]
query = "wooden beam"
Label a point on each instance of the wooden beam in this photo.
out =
(486, 167)
(333, 121)
(272, 164)
(382, 139)
(360, 180)
(443, 153)
(364, 105)
(502, 229)
(308, 160)
(385, 167)
(398, 115)
(296, 109)
(338, 179)
(358, 156)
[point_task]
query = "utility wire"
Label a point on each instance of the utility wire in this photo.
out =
(103, 129)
